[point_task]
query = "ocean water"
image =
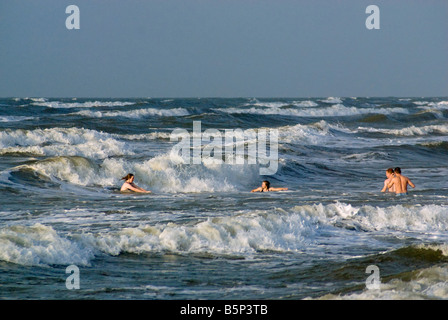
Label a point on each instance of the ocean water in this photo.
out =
(201, 233)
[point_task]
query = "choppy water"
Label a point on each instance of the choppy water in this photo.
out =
(201, 234)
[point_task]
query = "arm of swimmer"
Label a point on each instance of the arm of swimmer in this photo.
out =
(390, 184)
(143, 190)
(136, 189)
(257, 190)
(385, 187)
(278, 189)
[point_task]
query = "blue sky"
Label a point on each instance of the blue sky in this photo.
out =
(223, 48)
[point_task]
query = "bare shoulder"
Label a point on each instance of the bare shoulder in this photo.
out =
(125, 186)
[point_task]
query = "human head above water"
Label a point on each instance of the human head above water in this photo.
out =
(397, 170)
(266, 184)
(128, 177)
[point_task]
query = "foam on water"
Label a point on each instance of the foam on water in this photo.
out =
(425, 104)
(62, 142)
(430, 219)
(305, 103)
(315, 133)
(337, 110)
(332, 100)
(87, 104)
(135, 114)
(421, 284)
(157, 174)
(410, 131)
(15, 118)
(40, 245)
(245, 234)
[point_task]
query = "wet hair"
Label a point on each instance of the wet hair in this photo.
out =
(397, 170)
(267, 183)
(127, 177)
(390, 170)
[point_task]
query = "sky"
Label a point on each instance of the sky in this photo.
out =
(223, 48)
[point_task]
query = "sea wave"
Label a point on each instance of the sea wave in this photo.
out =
(135, 114)
(401, 218)
(62, 142)
(420, 284)
(244, 234)
(279, 104)
(409, 131)
(40, 245)
(317, 133)
(337, 110)
(332, 100)
(87, 104)
(427, 104)
(159, 173)
(15, 118)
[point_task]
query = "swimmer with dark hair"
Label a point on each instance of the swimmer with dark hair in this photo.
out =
(400, 183)
(129, 185)
(266, 187)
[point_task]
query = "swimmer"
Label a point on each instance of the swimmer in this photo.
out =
(389, 176)
(400, 183)
(265, 187)
(129, 185)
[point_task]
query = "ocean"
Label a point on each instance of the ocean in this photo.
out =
(201, 233)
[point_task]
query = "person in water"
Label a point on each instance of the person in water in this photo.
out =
(400, 183)
(266, 186)
(129, 185)
(389, 176)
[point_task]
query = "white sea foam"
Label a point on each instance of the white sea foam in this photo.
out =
(135, 114)
(424, 284)
(15, 118)
(337, 110)
(279, 104)
(409, 131)
(318, 133)
(150, 136)
(277, 230)
(423, 219)
(161, 174)
(436, 108)
(442, 105)
(62, 142)
(306, 103)
(420, 103)
(268, 104)
(87, 104)
(74, 170)
(40, 245)
(332, 100)
(157, 174)
(245, 233)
